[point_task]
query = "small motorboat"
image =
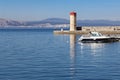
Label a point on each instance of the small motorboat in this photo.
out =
(96, 37)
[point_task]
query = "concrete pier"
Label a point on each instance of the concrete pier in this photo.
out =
(85, 32)
(70, 32)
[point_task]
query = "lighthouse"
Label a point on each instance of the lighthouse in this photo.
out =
(72, 21)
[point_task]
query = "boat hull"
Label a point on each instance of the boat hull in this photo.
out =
(100, 40)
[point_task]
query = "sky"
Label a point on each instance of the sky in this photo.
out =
(34, 10)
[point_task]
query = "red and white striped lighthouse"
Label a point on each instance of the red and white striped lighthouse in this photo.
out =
(73, 21)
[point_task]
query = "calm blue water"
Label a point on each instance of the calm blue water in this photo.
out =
(41, 55)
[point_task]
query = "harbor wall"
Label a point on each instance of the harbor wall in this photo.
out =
(87, 29)
(100, 28)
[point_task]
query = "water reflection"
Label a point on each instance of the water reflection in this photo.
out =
(93, 47)
(72, 46)
(89, 50)
(72, 54)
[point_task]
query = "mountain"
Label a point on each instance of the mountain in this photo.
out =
(98, 23)
(55, 22)
(52, 21)
(47, 23)
(59, 21)
(5, 22)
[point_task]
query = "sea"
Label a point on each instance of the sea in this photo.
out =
(38, 54)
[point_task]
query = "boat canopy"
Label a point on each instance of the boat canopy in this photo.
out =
(95, 34)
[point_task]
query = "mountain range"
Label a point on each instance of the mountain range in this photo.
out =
(56, 22)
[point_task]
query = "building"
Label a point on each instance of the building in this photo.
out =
(73, 21)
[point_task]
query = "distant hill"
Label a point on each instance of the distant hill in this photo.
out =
(98, 23)
(52, 21)
(5, 22)
(55, 22)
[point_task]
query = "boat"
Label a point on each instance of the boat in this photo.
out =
(97, 37)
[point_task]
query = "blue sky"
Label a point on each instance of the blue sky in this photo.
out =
(42, 9)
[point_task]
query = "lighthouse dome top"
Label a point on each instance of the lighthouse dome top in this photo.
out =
(72, 13)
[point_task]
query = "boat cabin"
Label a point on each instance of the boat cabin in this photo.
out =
(95, 34)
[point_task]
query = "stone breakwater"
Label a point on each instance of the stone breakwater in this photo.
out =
(85, 32)
(87, 29)
(101, 28)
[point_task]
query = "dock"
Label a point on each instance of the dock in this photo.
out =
(79, 32)
(70, 32)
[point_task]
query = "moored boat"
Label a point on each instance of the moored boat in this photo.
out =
(97, 37)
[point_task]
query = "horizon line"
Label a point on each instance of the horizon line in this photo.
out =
(61, 18)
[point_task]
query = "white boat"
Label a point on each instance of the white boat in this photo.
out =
(97, 37)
